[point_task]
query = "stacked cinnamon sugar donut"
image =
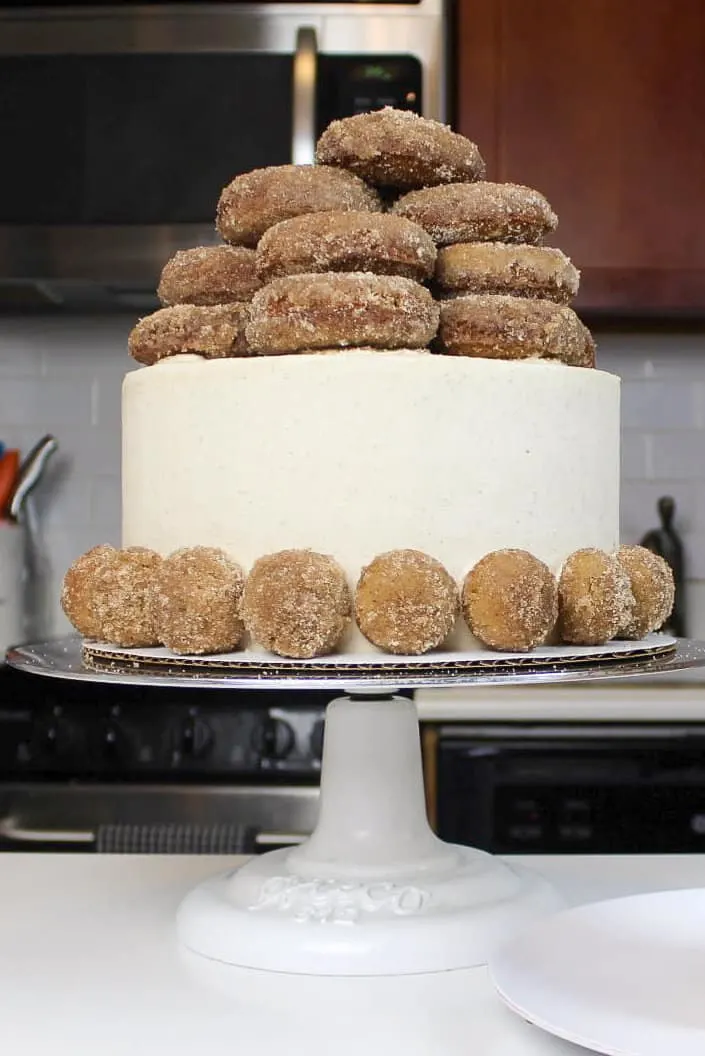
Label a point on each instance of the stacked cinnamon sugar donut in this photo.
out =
(346, 253)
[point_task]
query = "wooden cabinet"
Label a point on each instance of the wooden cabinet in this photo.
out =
(600, 104)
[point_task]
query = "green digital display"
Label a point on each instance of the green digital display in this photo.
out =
(372, 72)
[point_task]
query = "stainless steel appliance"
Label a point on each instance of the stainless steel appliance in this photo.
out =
(123, 122)
(114, 768)
(561, 788)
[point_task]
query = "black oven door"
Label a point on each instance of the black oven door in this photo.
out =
(597, 790)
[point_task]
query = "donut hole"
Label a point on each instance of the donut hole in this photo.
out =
(406, 602)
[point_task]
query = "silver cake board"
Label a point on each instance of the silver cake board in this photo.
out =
(92, 661)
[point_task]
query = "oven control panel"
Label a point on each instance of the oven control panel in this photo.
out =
(101, 731)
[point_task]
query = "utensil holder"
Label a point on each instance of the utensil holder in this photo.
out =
(12, 580)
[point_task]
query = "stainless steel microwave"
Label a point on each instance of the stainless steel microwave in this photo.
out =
(120, 124)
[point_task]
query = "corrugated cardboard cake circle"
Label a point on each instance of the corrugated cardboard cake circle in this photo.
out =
(408, 670)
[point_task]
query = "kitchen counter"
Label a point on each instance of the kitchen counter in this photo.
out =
(677, 697)
(89, 964)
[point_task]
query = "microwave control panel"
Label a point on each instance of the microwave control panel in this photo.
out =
(354, 84)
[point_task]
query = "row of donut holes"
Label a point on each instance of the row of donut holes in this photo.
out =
(297, 603)
(305, 220)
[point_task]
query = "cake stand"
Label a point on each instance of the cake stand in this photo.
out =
(373, 891)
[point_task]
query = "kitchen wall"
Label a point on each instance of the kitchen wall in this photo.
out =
(63, 375)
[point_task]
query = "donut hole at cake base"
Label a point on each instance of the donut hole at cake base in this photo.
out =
(595, 598)
(198, 596)
(653, 586)
(406, 602)
(297, 603)
(510, 601)
(110, 595)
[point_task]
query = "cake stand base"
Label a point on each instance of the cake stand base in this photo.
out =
(325, 927)
(373, 891)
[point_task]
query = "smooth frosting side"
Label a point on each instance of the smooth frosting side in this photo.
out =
(356, 453)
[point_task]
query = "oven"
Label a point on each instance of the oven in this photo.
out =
(95, 766)
(124, 121)
(569, 788)
(89, 766)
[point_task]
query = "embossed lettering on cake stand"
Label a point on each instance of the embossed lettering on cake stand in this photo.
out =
(337, 902)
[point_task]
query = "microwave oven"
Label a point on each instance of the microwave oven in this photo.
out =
(121, 123)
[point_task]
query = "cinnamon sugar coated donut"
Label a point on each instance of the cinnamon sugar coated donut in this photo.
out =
(108, 595)
(479, 212)
(209, 275)
(510, 600)
(501, 327)
(405, 602)
(496, 267)
(215, 332)
(341, 310)
(297, 603)
(257, 200)
(198, 597)
(78, 594)
(346, 241)
(653, 587)
(595, 599)
(397, 148)
(125, 601)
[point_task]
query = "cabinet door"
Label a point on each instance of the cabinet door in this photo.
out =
(600, 104)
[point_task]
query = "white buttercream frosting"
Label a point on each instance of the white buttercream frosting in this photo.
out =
(355, 453)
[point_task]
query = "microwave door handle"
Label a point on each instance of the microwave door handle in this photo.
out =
(303, 130)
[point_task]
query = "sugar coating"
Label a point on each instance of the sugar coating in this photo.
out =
(109, 595)
(501, 268)
(594, 596)
(209, 275)
(398, 148)
(214, 332)
(297, 603)
(336, 310)
(346, 241)
(479, 212)
(406, 602)
(510, 600)
(503, 327)
(257, 200)
(198, 592)
(653, 587)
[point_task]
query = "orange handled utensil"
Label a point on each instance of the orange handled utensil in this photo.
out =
(9, 469)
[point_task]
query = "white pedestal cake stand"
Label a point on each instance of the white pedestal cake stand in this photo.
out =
(373, 891)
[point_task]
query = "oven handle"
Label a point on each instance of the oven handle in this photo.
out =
(279, 839)
(11, 830)
(303, 129)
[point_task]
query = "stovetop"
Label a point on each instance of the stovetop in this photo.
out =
(53, 729)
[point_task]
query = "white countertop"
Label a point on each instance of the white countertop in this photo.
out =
(677, 697)
(89, 966)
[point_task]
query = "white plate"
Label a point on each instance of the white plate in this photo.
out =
(624, 977)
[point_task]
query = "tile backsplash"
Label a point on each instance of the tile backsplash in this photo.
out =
(63, 375)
